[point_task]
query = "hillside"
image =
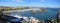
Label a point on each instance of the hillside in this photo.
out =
(12, 8)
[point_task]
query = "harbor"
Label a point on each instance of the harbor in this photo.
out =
(28, 17)
(29, 11)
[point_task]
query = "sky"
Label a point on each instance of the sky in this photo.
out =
(31, 3)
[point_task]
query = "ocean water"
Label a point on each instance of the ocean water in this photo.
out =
(50, 14)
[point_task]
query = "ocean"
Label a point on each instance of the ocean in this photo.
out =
(50, 14)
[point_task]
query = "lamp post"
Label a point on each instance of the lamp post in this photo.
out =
(58, 16)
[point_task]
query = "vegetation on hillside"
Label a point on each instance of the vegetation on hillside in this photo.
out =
(13, 8)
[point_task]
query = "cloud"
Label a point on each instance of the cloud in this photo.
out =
(43, 0)
(18, 0)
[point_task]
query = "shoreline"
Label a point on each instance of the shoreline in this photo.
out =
(18, 10)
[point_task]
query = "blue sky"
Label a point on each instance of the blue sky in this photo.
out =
(31, 3)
